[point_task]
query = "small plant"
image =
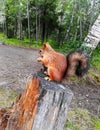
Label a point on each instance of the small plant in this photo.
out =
(97, 124)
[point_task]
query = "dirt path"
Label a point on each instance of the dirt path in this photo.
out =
(15, 66)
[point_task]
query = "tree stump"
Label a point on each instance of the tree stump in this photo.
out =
(42, 106)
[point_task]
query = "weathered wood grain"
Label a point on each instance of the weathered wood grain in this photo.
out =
(53, 106)
(24, 110)
(42, 106)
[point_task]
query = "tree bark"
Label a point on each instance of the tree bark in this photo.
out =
(93, 37)
(44, 27)
(77, 27)
(36, 24)
(28, 19)
(92, 14)
(19, 29)
(42, 106)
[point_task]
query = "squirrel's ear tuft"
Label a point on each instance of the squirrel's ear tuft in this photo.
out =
(47, 47)
(44, 45)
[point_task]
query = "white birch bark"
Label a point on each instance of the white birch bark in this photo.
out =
(93, 37)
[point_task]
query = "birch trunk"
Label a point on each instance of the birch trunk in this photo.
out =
(93, 37)
(92, 14)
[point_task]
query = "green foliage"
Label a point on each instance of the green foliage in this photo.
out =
(2, 37)
(69, 125)
(95, 58)
(96, 124)
(49, 20)
(20, 43)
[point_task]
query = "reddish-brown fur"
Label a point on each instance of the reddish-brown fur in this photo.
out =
(54, 61)
(58, 65)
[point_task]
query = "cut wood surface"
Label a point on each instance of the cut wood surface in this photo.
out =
(42, 106)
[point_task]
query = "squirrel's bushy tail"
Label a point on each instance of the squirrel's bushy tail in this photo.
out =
(77, 63)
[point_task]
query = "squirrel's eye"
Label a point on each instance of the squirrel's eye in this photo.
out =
(40, 51)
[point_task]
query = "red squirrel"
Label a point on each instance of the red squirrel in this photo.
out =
(60, 66)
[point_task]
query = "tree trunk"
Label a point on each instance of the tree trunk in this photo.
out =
(19, 30)
(77, 27)
(36, 24)
(93, 37)
(39, 24)
(42, 106)
(28, 19)
(92, 14)
(43, 28)
(70, 24)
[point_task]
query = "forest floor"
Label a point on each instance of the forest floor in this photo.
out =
(16, 64)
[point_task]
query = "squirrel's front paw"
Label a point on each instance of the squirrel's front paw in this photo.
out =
(39, 59)
(46, 78)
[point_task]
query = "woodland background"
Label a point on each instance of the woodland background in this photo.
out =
(61, 22)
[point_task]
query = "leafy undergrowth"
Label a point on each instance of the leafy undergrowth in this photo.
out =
(20, 43)
(94, 72)
(95, 58)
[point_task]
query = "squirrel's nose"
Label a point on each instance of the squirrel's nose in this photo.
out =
(40, 50)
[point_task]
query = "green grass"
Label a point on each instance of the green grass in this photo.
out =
(7, 97)
(95, 58)
(2, 37)
(80, 119)
(20, 43)
(96, 124)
